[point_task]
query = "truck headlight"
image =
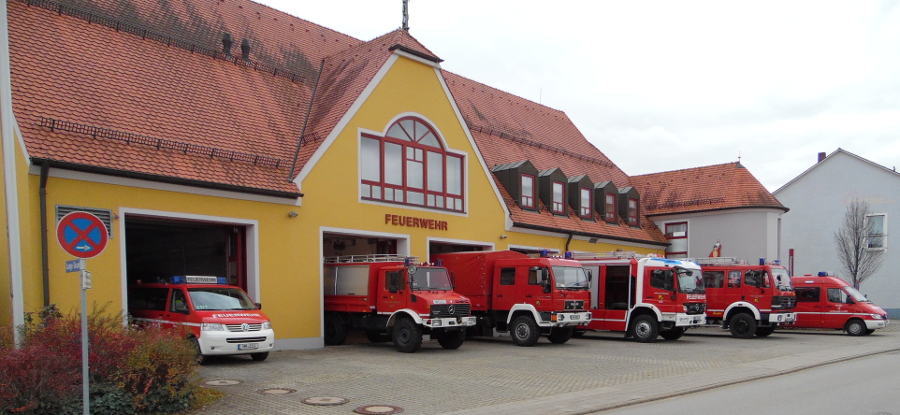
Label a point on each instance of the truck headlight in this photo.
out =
(212, 327)
(561, 317)
(267, 325)
(436, 322)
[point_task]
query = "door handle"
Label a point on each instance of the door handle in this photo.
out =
(499, 295)
(528, 296)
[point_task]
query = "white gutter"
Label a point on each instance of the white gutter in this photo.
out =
(7, 120)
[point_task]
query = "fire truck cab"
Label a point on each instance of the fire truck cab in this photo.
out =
(644, 296)
(748, 300)
(219, 319)
(828, 302)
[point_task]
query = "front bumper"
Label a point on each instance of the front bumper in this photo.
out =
(877, 324)
(226, 342)
(686, 320)
(782, 318)
(568, 319)
(448, 322)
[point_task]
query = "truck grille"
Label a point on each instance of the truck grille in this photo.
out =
(784, 302)
(443, 310)
(240, 327)
(695, 308)
(574, 304)
(246, 340)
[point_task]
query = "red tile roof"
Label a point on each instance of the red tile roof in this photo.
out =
(508, 129)
(699, 189)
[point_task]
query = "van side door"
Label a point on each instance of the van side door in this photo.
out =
(809, 306)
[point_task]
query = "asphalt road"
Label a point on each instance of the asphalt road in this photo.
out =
(864, 386)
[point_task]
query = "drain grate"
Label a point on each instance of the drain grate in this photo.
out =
(378, 410)
(276, 391)
(325, 401)
(223, 382)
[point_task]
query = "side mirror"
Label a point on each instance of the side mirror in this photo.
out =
(850, 301)
(258, 306)
(452, 280)
(590, 276)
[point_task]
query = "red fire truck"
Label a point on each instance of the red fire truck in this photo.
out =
(747, 299)
(393, 298)
(828, 302)
(644, 296)
(526, 296)
(219, 319)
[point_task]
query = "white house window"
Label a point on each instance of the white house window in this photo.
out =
(586, 203)
(877, 234)
(528, 191)
(677, 235)
(558, 198)
(410, 166)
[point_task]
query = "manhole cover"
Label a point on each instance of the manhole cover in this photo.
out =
(222, 382)
(325, 401)
(276, 391)
(378, 410)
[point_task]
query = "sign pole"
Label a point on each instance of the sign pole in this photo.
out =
(85, 389)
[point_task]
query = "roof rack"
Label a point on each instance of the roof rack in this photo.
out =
(345, 259)
(722, 260)
(609, 255)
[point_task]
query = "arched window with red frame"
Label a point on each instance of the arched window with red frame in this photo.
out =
(410, 166)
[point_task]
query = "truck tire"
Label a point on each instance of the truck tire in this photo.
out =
(407, 335)
(201, 359)
(259, 357)
(376, 336)
(673, 334)
(645, 328)
(765, 331)
(560, 335)
(742, 325)
(335, 330)
(451, 340)
(524, 331)
(855, 327)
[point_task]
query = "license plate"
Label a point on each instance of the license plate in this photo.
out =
(576, 317)
(248, 346)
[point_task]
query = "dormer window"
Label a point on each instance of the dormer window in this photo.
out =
(586, 204)
(632, 212)
(610, 211)
(528, 191)
(559, 204)
(630, 206)
(411, 166)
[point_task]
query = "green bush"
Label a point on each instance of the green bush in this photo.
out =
(151, 370)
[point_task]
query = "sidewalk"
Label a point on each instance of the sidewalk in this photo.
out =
(493, 376)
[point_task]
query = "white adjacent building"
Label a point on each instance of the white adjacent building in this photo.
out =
(818, 199)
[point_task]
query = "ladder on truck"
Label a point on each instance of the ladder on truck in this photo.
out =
(610, 255)
(349, 259)
(722, 260)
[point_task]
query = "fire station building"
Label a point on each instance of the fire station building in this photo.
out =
(231, 139)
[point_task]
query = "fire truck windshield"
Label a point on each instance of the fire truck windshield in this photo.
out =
(690, 281)
(856, 295)
(430, 279)
(570, 277)
(782, 279)
(216, 298)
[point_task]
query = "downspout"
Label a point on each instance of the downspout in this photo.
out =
(571, 235)
(45, 250)
(303, 130)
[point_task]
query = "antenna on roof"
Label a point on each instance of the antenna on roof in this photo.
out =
(739, 156)
(405, 25)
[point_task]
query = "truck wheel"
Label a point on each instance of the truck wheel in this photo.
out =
(451, 340)
(407, 335)
(201, 359)
(673, 334)
(855, 327)
(764, 331)
(560, 335)
(259, 357)
(742, 325)
(524, 331)
(335, 330)
(645, 329)
(376, 336)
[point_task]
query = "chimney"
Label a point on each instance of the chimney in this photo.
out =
(226, 44)
(245, 49)
(821, 157)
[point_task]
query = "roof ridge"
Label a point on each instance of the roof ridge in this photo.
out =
(297, 17)
(506, 92)
(538, 144)
(684, 170)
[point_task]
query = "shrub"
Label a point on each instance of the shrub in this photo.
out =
(151, 370)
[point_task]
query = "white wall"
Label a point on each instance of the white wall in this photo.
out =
(818, 200)
(748, 234)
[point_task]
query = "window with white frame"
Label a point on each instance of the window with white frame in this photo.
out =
(677, 235)
(558, 198)
(409, 165)
(528, 191)
(586, 203)
(877, 231)
(632, 212)
(610, 215)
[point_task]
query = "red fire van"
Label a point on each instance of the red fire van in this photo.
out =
(827, 302)
(219, 319)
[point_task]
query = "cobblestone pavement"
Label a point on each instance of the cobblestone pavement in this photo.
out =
(493, 376)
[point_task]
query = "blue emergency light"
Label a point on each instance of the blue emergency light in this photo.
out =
(568, 255)
(545, 253)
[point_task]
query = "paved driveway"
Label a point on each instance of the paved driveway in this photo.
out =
(493, 376)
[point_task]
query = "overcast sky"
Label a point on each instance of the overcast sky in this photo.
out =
(666, 85)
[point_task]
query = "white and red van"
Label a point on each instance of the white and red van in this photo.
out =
(827, 302)
(219, 319)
